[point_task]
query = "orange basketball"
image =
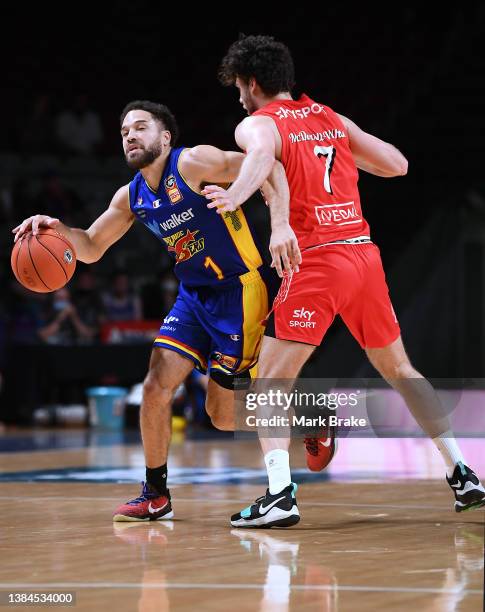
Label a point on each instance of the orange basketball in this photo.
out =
(45, 262)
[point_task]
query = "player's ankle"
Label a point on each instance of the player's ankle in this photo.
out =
(278, 467)
(450, 451)
(157, 478)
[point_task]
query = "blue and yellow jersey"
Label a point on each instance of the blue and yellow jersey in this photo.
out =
(208, 249)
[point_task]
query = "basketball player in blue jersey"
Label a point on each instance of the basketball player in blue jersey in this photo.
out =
(225, 288)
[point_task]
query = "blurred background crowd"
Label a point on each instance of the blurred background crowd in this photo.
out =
(418, 84)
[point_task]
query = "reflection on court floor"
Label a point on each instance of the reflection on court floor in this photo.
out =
(378, 531)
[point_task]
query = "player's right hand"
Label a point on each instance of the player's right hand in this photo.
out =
(284, 249)
(32, 224)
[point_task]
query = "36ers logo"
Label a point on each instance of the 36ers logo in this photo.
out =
(172, 189)
(225, 360)
(184, 245)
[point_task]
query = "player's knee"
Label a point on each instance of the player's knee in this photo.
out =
(406, 370)
(221, 417)
(399, 371)
(224, 422)
(270, 369)
(155, 391)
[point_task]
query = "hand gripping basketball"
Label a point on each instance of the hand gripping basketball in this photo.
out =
(42, 260)
(33, 224)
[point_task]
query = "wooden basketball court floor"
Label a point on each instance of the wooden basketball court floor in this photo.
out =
(377, 531)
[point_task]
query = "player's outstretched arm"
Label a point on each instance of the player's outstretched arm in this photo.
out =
(374, 155)
(283, 245)
(90, 244)
(208, 164)
(256, 137)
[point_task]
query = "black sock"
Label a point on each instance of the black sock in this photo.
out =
(157, 478)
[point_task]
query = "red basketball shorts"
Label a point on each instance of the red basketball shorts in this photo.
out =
(343, 279)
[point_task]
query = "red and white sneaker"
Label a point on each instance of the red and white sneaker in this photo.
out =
(150, 506)
(321, 451)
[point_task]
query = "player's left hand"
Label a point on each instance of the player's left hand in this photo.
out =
(220, 198)
(284, 250)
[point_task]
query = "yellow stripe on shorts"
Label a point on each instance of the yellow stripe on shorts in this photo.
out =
(255, 308)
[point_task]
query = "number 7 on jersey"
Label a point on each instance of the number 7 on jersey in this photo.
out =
(329, 153)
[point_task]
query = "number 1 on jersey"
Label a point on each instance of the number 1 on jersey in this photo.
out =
(329, 154)
(210, 263)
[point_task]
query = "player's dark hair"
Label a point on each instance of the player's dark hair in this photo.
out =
(263, 58)
(159, 112)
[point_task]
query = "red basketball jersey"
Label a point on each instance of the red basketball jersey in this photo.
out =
(321, 172)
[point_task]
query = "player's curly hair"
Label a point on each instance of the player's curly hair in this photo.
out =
(159, 112)
(263, 58)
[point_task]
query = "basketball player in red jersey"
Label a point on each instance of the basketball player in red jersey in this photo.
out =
(341, 270)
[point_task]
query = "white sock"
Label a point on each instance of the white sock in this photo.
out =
(278, 467)
(448, 447)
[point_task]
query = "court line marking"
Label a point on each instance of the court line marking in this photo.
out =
(246, 586)
(339, 504)
(225, 501)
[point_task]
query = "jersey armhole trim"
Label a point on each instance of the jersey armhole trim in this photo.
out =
(182, 176)
(131, 195)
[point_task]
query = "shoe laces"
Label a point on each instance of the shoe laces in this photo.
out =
(260, 499)
(268, 494)
(145, 495)
(311, 445)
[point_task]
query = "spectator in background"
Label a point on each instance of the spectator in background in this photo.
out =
(17, 201)
(169, 286)
(24, 314)
(20, 379)
(159, 296)
(79, 129)
(3, 344)
(62, 322)
(87, 299)
(57, 199)
(6, 205)
(36, 132)
(120, 302)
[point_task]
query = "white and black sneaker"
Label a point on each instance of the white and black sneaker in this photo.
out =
(279, 510)
(468, 490)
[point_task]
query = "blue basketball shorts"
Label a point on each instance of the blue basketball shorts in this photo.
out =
(220, 329)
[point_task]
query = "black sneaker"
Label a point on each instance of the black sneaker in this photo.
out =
(278, 510)
(468, 490)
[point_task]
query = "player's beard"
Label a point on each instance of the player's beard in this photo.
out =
(144, 157)
(248, 103)
(250, 106)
